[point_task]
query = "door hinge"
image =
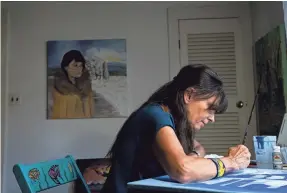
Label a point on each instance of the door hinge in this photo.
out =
(179, 44)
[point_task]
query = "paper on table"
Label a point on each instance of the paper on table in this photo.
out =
(213, 156)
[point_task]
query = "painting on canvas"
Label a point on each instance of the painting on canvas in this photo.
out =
(270, 55)
(94, 172)
(87, 79)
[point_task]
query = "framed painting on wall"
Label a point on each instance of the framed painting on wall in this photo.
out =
(87, 79)
(270, 56)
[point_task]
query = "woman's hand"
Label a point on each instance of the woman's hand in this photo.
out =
(240, 156)
(199, 148)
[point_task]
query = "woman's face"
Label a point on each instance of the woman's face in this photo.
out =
(75, 69)
(199, 112)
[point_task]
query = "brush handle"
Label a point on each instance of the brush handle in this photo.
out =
(244, 138)
(251, 113)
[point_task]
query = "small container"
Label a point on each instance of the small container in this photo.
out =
(263, 148)
(284, 154)
(277, 158)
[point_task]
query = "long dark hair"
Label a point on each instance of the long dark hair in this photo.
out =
(207, 84)
(69, 57)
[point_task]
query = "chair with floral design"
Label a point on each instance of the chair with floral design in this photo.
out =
(45, 175)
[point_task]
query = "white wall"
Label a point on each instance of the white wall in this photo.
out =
(30, 136)
(265, 16)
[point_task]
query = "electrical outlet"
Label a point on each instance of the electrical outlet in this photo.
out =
(14, 99)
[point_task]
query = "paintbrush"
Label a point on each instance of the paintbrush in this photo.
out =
(251, 113)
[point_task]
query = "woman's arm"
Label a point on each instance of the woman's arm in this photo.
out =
(181, 167)
(199, 148)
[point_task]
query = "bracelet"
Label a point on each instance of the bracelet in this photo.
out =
(195, 152)
(220, 167)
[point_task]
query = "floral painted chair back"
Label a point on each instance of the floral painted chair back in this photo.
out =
(41, 176)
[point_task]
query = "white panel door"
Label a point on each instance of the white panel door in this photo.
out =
(218, 44)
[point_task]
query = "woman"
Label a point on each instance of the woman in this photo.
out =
(158, 138)
(72, 92)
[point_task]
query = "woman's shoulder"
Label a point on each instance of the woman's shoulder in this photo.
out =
(155, 110)
(156, 115)
(152, 107)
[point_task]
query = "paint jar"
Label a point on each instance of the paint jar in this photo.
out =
(263, 147)
(277, 158)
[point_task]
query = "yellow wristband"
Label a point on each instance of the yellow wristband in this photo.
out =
(221, 168)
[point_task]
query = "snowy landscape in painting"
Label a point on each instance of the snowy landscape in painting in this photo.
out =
(114, 91)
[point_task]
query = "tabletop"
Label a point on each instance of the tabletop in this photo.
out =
(249, 180)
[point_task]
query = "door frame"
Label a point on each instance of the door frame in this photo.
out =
(4, 91)
(240, 10)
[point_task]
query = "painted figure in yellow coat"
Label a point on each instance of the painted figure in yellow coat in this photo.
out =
(72, 92)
